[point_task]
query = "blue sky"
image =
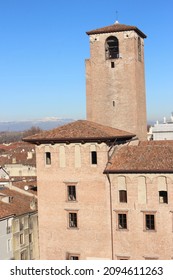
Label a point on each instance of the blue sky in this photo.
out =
(43, 47)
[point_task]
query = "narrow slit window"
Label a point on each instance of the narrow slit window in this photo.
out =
(123, 196)
(30, 238)
(48, 158)
(112, 64)
(21, 238)
(94, 157)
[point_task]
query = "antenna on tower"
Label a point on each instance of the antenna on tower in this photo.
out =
(116, 17)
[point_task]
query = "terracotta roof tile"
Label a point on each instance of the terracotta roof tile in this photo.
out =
(78, 131)
(116, 27)
(17, 152)
(147, 157)
(31, 182)
(19, 205)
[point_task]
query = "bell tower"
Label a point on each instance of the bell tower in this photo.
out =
(115, 78)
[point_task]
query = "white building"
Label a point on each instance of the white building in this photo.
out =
(162, 131)
(6, 250)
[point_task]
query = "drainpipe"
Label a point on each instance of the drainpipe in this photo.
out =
(110, 201)
(111, 216)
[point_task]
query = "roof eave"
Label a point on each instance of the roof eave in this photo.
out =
(6, 216)
(97, 31)
(136, 171)
(77, 140)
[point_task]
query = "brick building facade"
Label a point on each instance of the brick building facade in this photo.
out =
(101, 193)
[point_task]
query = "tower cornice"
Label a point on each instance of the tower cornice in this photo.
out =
(116, 27)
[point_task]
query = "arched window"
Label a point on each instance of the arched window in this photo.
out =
(112, 47)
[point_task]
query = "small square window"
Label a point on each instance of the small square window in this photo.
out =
(48, 158)
(71, 192)
(122, 221)
(149, 222)
(94, 157)
(163, 197)
(72, 220)
(123, 196)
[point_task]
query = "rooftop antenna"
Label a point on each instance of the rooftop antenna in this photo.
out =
(116, 17)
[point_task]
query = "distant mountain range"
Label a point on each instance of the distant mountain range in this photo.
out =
(45, 124)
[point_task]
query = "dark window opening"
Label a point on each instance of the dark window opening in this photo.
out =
(112, 64)
(73, 220)
(163, 197)
(123, 196)
(71, 193)
(72, 256)
(48, 158)
(113, 103)
(112, 47)
(122, 221)
(150, 223)
(94, 157)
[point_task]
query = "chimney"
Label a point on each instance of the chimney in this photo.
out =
(29, 156)
(13, 160)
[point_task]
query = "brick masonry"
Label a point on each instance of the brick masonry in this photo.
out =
(124, 84)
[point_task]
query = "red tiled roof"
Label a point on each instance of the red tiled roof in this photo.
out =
(147, 157)
(81, 130)
(31, 182)
(16, 145)
(19, 205)
(116, 27)
(17, 152)
(4, 180)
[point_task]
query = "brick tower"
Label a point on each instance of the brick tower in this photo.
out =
(115, 79)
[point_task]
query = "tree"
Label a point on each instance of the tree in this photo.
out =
(31, 131)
